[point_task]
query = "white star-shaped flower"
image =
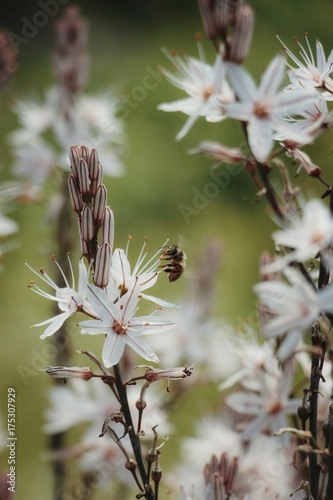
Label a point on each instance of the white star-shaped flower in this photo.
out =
(306, 235)
(268, 405)
(292, 308)
(262, 107)
(311, 72)
(117, 322)
(145, 271)
(205, 85)
(69, 301)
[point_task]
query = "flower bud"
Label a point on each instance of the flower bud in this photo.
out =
(74, 157)
(84, 154)
(207, 12)
(108, 227)
(178, 373)
(219, 152)
(311, 168)
(85, 373)
(93, 164)
(83, 174)
(242, 34)
(99, 204)
(96, 182)
(75, 195)
(87, 224)
(103, 265)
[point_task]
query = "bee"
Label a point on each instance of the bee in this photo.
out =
(177, 262)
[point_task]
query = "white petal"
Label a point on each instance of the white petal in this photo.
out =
(272, 78)
(55, 323)
(145, 325)
(260, 138)
(113, 349)
(242, 82)
(94, 327)
(156, 300)
(102, 304)
(141, 348)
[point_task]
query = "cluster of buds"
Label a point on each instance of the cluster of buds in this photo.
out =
(8, 59)
(220, 474)
(96, 221)
(230, 21)
(71, 59)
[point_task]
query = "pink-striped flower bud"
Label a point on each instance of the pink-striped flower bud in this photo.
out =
(93, 164)
(103, 265)
(153, 374)
(74, 156)
(75, 195)
(220, 152)
(84, 372)
(83, 244)
(87, 223)
(98, 180)
(242, 34)
(208, 18)
(99, 204)
(84, 154)
(84, 181)
(311, 168)
(107, 233)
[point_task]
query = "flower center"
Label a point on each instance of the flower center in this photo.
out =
(118, 328)
(274, 407)
(316, 237)
(260, 110)
(208, 91)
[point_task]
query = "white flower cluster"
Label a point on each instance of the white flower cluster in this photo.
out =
(113, 308)
(293, 115)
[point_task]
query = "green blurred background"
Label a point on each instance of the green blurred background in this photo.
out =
(125, 39)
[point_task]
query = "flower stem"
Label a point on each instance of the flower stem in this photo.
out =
(314, 386)
(135, 442)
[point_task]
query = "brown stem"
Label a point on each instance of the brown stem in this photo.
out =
(135, 442)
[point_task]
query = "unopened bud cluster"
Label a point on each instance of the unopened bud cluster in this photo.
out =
(230, 21)
(8, 59)
(89, 200)
(71, 59)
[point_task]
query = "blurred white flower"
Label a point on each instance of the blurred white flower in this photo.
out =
(263, 107)
(312, 121)
(264, 466)
(118, 323)
(91, 403)
(269, 404)
(311, 71)
(69, 300)
(46, 134)
(306, 235)
(205, 85)
(291, 308)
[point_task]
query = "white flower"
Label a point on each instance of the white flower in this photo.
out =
(311, 71)
(313, 120)
(263, 107)
(268, 405)
(69, 301)
(91, 403)
(91, 121)
(293, 307)
(119, 325)
(145, 272)
(205, 85)
(264, 470)
(306, 235)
